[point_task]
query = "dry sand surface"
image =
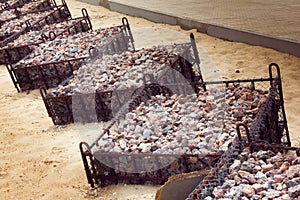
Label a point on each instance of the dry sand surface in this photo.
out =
(42, 161)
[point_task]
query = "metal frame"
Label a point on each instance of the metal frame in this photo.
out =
(44, 5)
(63, 14)
(269, 130)
(104, 113)
(93, 166)
(11, 55)
(23, 81)
(221, 169)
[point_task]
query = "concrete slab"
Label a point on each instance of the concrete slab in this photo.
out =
(270, 23)
(103, 3)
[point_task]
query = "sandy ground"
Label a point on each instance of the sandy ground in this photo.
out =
(42, 161)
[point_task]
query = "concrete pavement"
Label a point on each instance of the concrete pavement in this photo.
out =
(269, 23)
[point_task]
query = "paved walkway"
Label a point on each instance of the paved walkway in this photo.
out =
(268, 23)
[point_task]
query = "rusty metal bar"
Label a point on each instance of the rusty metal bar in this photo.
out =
(280, 93)
(13, 77)
(197, 60)
(128, 31)
(86, 16)
(85, 154)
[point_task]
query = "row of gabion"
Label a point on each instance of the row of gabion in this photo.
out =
(12, 12)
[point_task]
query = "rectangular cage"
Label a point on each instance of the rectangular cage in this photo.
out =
(269, 131)
(271, 109)
(13, 4)
(19, 24)
(57, 69)
(59, 106)
(20, 45)
(25, 6)
(234, 163)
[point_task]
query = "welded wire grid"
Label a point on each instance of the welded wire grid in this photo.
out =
(218, 173)
(50, 74)
(107, 168)
(269, 126)
(270, 123)
(11, 55)
(221, 169)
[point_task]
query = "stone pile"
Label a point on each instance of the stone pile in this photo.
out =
(34, 36)
(10, 3)
(7, 14)
(34, 5)
(198, 125)
(16, 25)
(14, 49)
(261, 175)
(66, 48)
(54, 61)
(120, 71)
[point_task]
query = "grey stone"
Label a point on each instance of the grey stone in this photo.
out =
(234, 193)
(202, 145)
(261, 176)
(255, 197)
(228, 184)
(247, 166)
(193, 115)
(271, 193)
(73, 50)
(167, 129)
(294, 191)
(138, 129)
(147, 133)
(235, 166)
(122, 144)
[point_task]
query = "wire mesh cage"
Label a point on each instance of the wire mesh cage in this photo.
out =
(8, 4)
(268, 131)
(29, 75)
(59, 106)
(27, 6)
(20, 45)
(256, 159)
(20, 23)
(99, 171)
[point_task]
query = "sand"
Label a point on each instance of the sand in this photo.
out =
(42, 161)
